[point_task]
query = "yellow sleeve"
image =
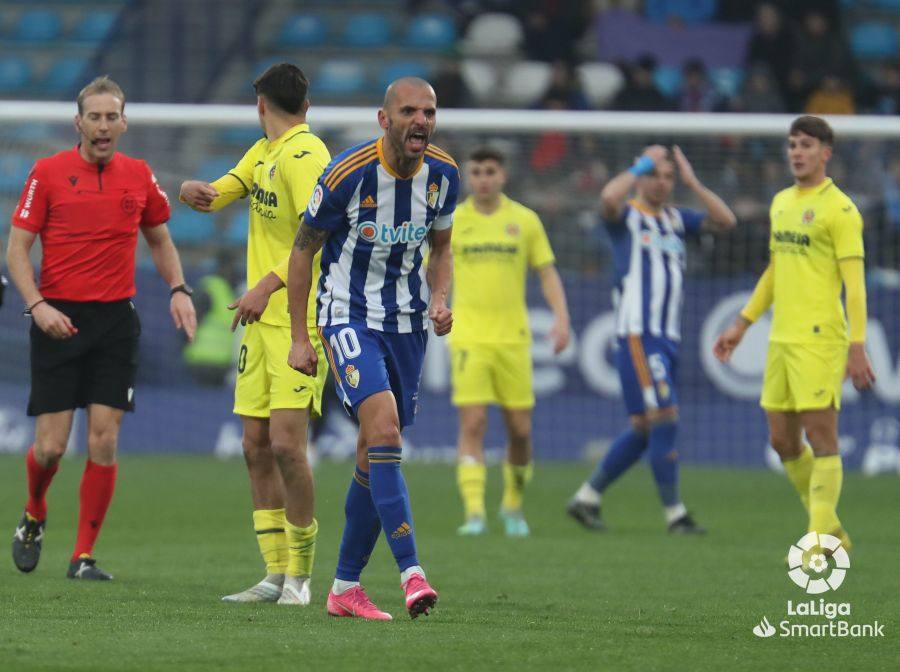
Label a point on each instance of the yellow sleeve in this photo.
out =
(540, 253)
(762, 296)
(281, 270)
(853, 272)
(300, 172)
(846, 231)
(236, 182)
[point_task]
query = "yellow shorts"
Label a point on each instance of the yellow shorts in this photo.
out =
(801, 377)
(492, 373)
(265, 382)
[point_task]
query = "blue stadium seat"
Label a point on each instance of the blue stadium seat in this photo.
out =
(431, 31)
(689, 11)
(13, 171)
(94, 27)
(37, 25)
(886, 4)
(727, 81)
(367, 30)
(668, 79)
(303, 30)
(339, 78)
(238, 228)
(396, 69)
(873, 40)
(65, 75)
(191, 227)
(15, 73)
(241, 136)
(214, 168)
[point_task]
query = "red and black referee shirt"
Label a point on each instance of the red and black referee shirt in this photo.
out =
(88, 216)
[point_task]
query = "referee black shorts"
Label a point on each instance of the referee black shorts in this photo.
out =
(95, 366)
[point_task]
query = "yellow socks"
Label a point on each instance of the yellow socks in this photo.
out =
(269, 525)
(515, 478)
(799, 471)
(301, 548)
(471, 477)
(824, 493)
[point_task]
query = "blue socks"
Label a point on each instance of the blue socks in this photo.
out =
(664, 461)
(360, 531)
(625, 451)
(392, 502)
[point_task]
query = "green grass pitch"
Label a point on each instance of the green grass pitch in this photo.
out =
(179, 536)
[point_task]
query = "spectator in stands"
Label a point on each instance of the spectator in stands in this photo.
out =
(697, 93)
(759, 93)
(832, 96)
(819, 52)
(640, 93)
(553, 29)
(450, 87)
(564, 92)
(771, 44)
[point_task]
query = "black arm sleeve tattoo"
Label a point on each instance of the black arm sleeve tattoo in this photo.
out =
(308, 237)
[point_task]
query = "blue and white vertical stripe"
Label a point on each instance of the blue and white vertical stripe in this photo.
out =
(650, 255)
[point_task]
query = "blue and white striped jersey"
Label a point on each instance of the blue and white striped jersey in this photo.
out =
(372, 272)
(648, 257)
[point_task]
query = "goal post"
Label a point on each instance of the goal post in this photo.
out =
(557, 163)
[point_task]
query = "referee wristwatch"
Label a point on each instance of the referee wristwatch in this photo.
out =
(184, 288)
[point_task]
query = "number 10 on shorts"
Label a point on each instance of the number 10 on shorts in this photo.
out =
(345, 345)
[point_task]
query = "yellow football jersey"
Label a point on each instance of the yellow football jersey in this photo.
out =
(279, 177)
(812, 229)
(491, 258)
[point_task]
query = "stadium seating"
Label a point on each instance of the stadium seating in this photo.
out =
(526, 82)
(493, 34)
(668, 79)
(65, 75)
(688, 11)
(727, 81)
(94, 27)
(37, 25)
(215, 167)
(600, 82)
(367, 31)
(238, 228)
(432, 32)
(339, 78)
(873, 40)
(15, 73)
(886, 4)
(396, 69)
(303, 30)
(481, 78)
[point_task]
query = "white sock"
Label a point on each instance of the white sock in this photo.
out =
(674, 512)
(407, 573)
(340, 586)
(587, 495)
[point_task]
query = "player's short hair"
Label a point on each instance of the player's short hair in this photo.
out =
(102, 84)
(284, 85)
(487, 154)
(813, 126)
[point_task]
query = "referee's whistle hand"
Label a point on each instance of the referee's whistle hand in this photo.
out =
(53, 322)
(303, 358)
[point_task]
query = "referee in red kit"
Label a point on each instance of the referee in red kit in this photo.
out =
(86, 204)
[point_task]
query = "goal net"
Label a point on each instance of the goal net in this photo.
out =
(557, 164)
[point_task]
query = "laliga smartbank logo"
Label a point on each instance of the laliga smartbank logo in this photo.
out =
(809, 564)
(817, 563)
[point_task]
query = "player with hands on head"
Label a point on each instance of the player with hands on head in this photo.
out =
(648, 236)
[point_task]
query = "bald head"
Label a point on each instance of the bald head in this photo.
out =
(403, 87)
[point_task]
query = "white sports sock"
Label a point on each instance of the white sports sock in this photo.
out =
(407, 573)
(340, 586)
(675, 512)
(587, 495)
